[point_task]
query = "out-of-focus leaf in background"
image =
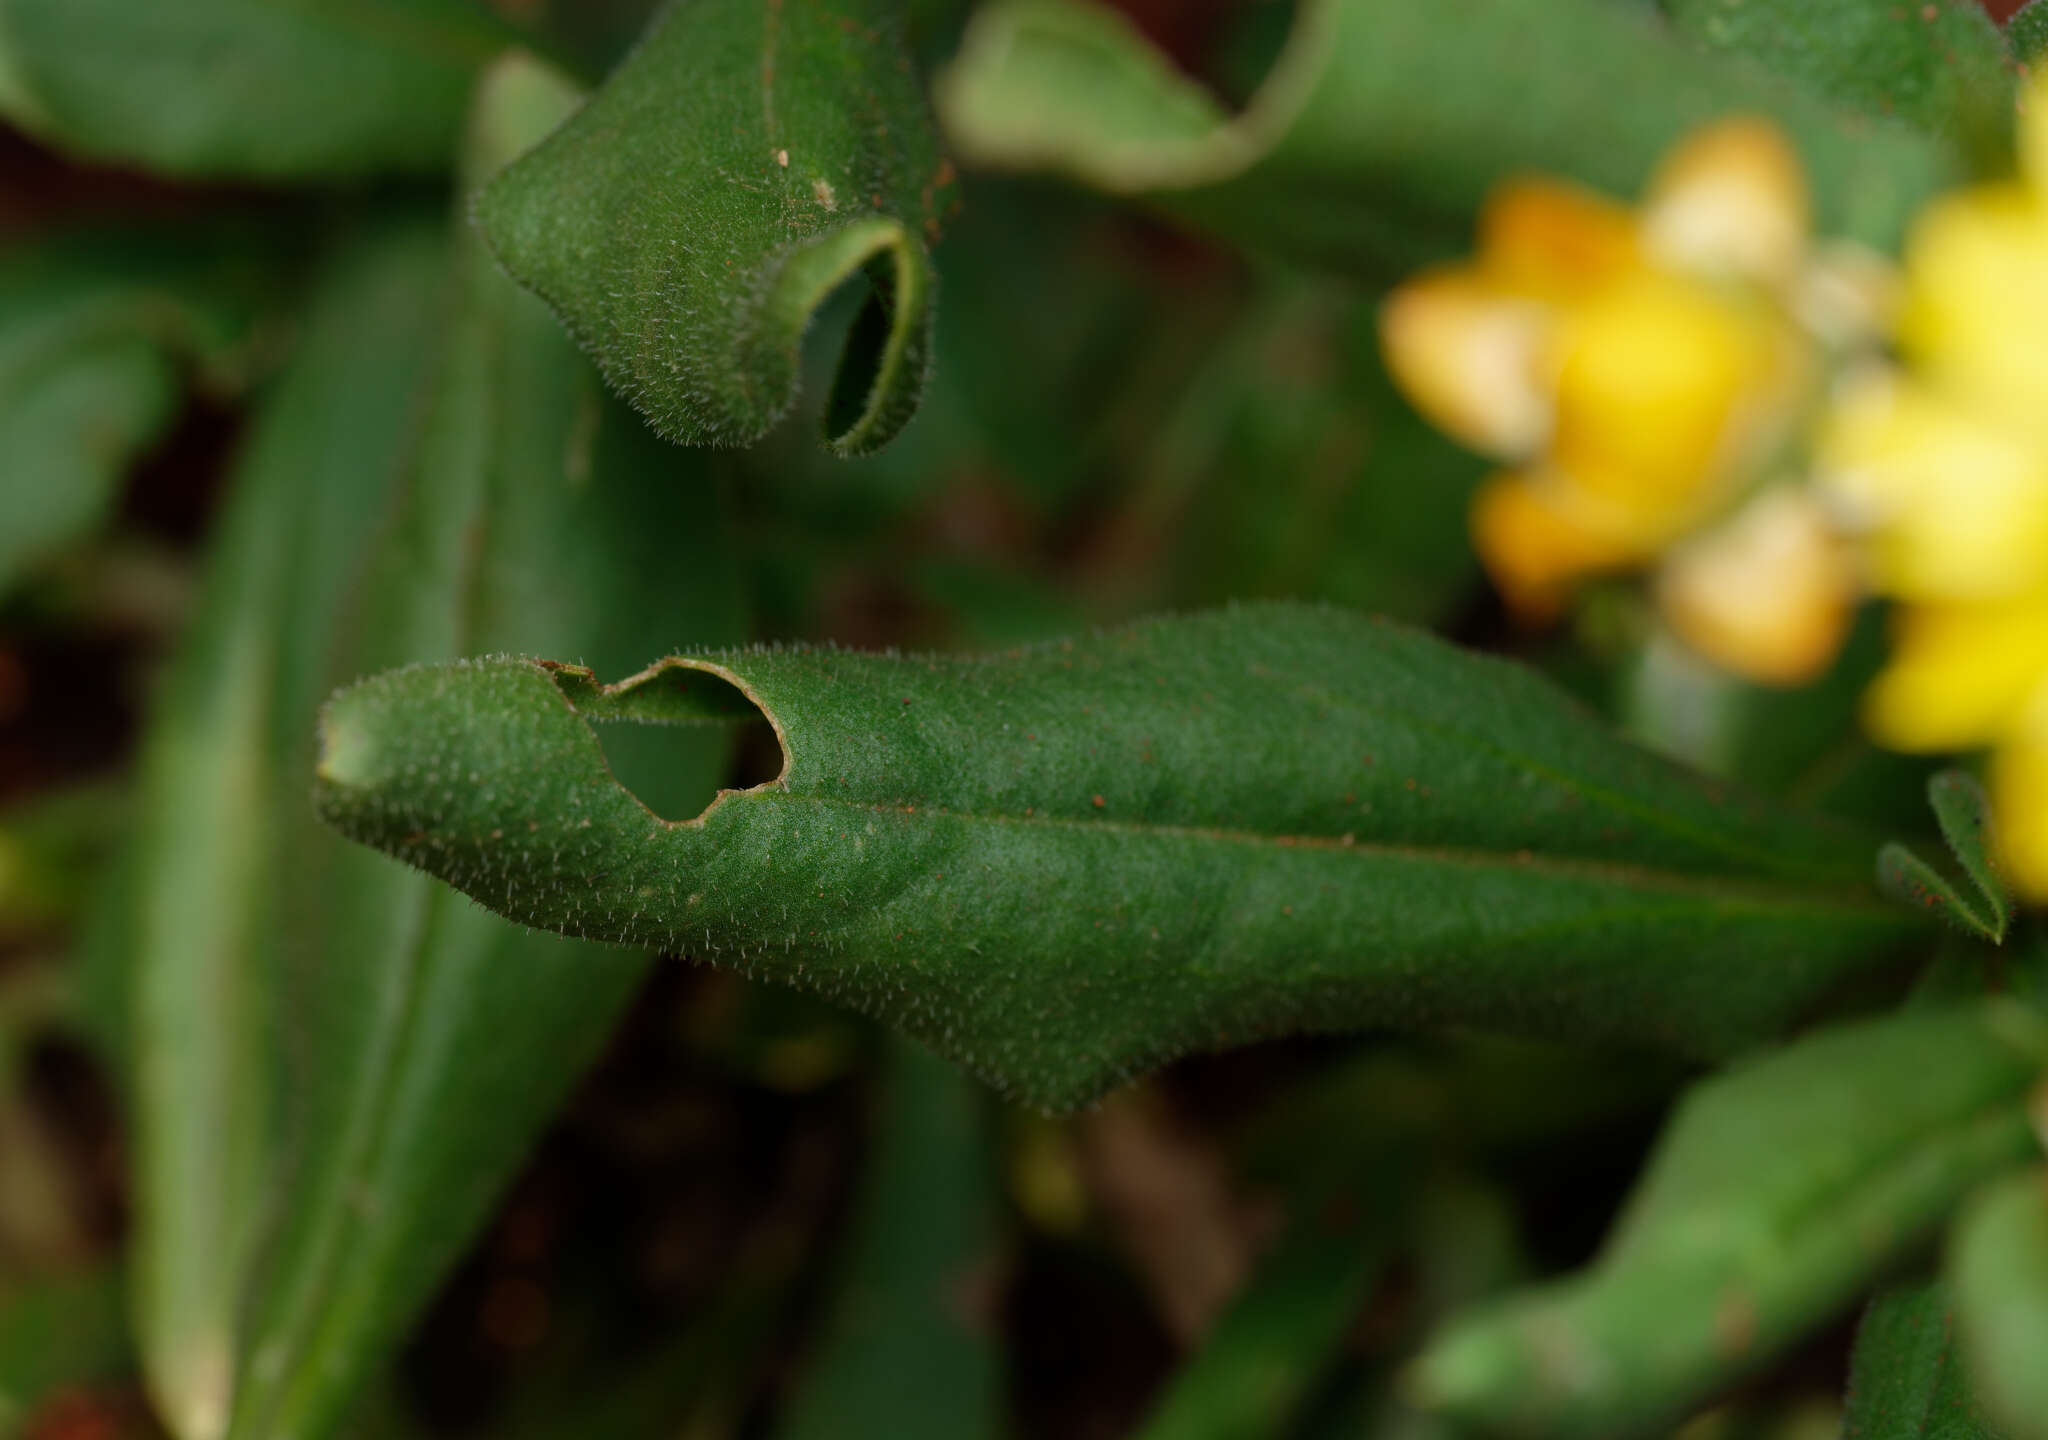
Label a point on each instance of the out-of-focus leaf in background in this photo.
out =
(262, 89)
(1998, 1274)
(98, 334)
(425, 1042)
(1383, 126)
(1780, 1190)
(742, 163)
(1254, 821)
(221, 798)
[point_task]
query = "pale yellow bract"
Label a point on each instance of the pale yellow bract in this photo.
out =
(1942, 463)
(1639, 372)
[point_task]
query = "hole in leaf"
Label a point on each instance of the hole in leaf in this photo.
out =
(679, 737)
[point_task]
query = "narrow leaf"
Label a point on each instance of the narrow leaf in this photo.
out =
(97, 334)
(221, 769)
(1382, 126)
(1943, 68)
(1062, 865)
(742, 163)
(909, 1350)
(1780, 1190)
(1998, 1270)
(1964, 814)
(262, 89)
(1907, 1381)
(430, 1041)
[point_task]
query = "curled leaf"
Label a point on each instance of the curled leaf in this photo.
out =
(741, 164)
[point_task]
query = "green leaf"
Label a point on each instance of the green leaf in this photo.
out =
(909, 1350)
(96, 334)
(742, 163)
(2026, 34)
(1964, 813)
(58, 1332)
(1998, 1270)
(54, 847)
(1062, 865)
(1780, 1189)
(1382, 126)
(431, 1041)
(1941, 67)
(256, 89)
(221, 800)
(1907, 1380)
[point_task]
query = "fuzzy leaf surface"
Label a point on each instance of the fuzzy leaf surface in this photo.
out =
(430, 1041)
(741, 164)
(1942, 68)
(1780, 1189)
(1065, 864)
(1382, 126)
(1907, 1381)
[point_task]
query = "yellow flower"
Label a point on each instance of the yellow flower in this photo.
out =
(1943, 465)
(1637, 372)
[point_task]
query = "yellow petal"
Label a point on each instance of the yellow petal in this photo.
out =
(1553, 240)
(1767, 596)
(2019, 800)
(1730, 200)
(1655, 379)
(1538, 537)
(1960, 676)
(1976, 304)
(1468, 355)
(1957, 508)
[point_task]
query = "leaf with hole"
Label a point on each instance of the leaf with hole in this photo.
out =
(430, 1041)
(741, 164)
(1063, 865)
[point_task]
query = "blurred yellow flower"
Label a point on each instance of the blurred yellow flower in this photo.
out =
(1639, 372)
(1943, 465)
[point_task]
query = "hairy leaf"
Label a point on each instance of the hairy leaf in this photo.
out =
(1942, 67)
(96, 331)
(221, 784)
(263, 89)
(1062, 865)
(1907, 1381)
(742, 163)
(1781, 1188)
(1964, 813)
(1382, 126)
(430, 1041)
(1998, 1271)
(909, 1352)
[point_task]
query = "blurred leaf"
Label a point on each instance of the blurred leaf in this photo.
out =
(2026, 34)
(1907, 1380)
(1780, 1189)
(56, 1333)
(1998, 1271)
(1964, 813)
(430, 1041)
(1382, 125)
(1296, 471)
(221, 803)
(1942, 67)
(53, 849)
(739, 166)
(258, 89)
(95, 332)
(1064, 865)
(908, 1352)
